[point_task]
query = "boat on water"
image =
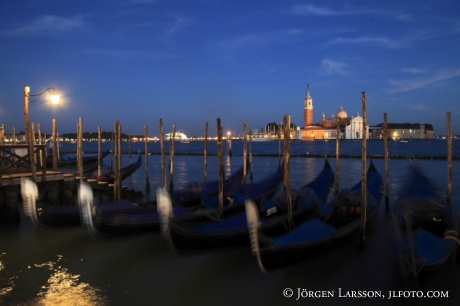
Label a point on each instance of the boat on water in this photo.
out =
(215, 231)
(402, 141)
(109, 176)
(113, 217)
(72, 161)
(337, 220)
(259, 136)
(178, 136)
(424, 236)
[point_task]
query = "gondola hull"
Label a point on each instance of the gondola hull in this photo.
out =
(318, 234)
(423, 235)
(211, 231)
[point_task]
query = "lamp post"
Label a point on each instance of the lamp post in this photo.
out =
(54, 97)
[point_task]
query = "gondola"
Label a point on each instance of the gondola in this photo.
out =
(214, 231)
(424, 236)
(337, 220)
(124, 216)
(108, 218)
(234, 197)
(72, 161)
(190, 195)
(109, 176)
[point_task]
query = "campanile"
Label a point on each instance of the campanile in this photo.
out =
(307, 109)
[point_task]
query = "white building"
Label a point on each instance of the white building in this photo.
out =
(355, 130)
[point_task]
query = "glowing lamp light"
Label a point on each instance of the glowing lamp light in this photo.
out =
(54, 98)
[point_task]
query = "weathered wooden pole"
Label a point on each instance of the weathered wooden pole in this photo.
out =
(129, 145)
(337, 153)
(13, 135)
(364, 172)
(279, 144)
(39, 138)
(31, 149)
(230, 153)
(113, 139)
(162, 149)
(449, 158)
(220, 158)
(118, 173)
(205, 152)
(2, 134)
(146, 151)
(250, 158)
(245, 153)
(287, 164)
(115, 160)
(80, 148)
(385, 150)
(171, 158)
(99, 153)
(54, 140)
(26, 113)
(39, 132)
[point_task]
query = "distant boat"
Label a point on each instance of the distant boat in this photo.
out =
(403, 141)
(178, 136)
(257, 136)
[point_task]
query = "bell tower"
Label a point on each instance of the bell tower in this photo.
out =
(307, 109)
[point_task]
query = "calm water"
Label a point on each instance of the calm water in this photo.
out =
(68, 267)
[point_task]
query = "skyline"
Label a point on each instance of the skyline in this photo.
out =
(189, 63)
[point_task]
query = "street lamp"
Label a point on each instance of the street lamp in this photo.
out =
(54, 97)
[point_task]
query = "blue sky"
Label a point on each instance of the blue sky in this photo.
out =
(190, 62)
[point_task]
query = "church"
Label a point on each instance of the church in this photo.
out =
(349, 127)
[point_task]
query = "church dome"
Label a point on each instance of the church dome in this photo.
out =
(341, 113)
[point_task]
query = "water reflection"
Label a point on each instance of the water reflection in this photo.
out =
(6, 283)
(61, 288)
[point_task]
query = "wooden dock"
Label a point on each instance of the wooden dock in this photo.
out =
(15, 178)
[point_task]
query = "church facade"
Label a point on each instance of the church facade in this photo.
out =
(347, 127)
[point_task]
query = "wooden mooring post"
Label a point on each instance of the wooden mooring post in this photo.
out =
(230, 153)
(250, 158)
(245, 151)
(80, 147)
(363, 174)
(99, 153)
(385, 152)
(337, 153)
(171, 158)
(54, 140)
(287, 166)
(146, 154)
(162, 149)
(117, 173)
(220, 160)
(31, 148)
(129, 145)
(449, 157)
(205, 153)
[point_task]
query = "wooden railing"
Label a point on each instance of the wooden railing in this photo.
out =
(23, 158)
